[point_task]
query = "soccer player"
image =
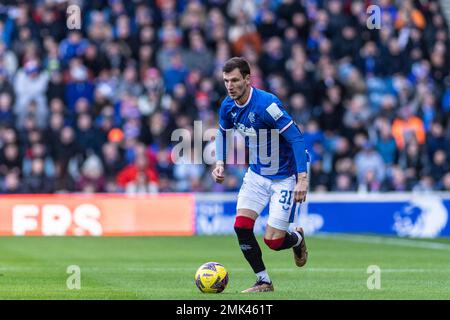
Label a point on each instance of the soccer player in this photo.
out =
(281, 182)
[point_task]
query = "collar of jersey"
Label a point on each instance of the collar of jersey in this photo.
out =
(248, 100)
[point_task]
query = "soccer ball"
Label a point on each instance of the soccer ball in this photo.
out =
(211, 277)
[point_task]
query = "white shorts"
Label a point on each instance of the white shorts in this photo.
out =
(257, 191)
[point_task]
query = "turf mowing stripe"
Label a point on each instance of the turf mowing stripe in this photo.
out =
(390, 241)
(187, 269)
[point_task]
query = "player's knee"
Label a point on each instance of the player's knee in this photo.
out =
(243, 226)
(274, 244)
(243, 222)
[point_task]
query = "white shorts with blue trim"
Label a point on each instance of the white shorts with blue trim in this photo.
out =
(257, 191)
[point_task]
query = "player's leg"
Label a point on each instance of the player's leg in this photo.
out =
(253, 198)
(281, 214)
(280, 239)
(245, 221)
(243, 226)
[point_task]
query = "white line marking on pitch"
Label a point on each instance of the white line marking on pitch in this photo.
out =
(356, 270)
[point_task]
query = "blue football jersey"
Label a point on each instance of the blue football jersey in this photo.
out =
(262, 120)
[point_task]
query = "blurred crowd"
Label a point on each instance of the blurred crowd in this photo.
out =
(93, 110)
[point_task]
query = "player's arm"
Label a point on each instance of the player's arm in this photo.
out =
(276, 116)
(295, 137)
(221, 146)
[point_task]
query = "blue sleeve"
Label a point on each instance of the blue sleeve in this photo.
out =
(224, 120)
(221, 146)
(221, 139)
(278, 118)
(295, 137)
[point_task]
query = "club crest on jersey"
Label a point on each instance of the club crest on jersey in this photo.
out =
(251, 117)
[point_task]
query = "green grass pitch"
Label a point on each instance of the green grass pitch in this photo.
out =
(164, 268)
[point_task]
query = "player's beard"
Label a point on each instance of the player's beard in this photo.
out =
(238, 98)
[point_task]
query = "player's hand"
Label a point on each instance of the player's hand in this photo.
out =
(218, 173)
(301, 188)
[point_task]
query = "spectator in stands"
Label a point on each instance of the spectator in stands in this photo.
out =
(396, 180)
(56, 88)
(198, 56)
(74, 45)
(36, 181)
(10, 159)
(139, 176)
(299, 110)
(8, 64)
(370, 166)
(78, 84)
(67, 151)
(186, 173)
(406, 127)
(440, 166)
(357, 115)
(88, 137)
(112, 160)
(344, 183)
(425, 184)
(30, 85)
(38, 149)
(446, 182)
(386, 146)
(12, 184)
(176, 73)
(5, 85)
(413, 159)
(436, 140)
(319, 180)
(91, 179)
(7, 117)
(371, 183)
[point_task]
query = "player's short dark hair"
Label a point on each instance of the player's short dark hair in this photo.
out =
(237, 62)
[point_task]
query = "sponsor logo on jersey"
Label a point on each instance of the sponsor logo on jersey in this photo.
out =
(245, 131)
